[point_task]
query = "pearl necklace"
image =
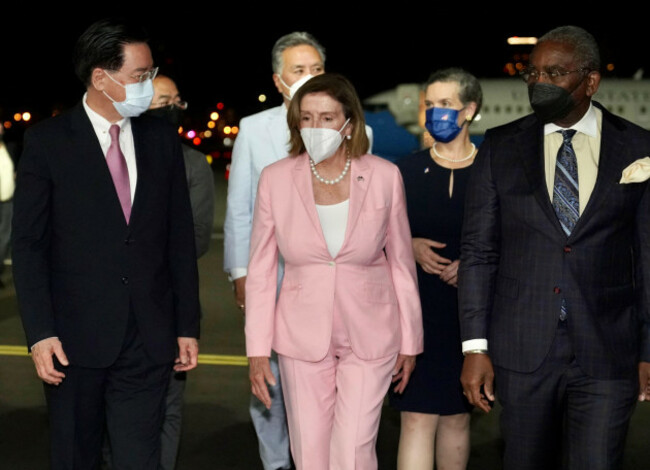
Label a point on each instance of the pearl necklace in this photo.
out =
(325, 180)
(451, 159)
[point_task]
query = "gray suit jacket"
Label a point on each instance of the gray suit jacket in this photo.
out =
(200, 182)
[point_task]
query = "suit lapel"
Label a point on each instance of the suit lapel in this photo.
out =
(532, 137)
(360, 177)
(303, 183)
(609, 171)
(141, 162)
(92, 161)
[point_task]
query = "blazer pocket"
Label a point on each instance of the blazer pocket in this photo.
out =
(375, 214)
(507, 287)
(289, 291)
(378, 292)
(375, 222)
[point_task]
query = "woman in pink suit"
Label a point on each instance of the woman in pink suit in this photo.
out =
(347, 319)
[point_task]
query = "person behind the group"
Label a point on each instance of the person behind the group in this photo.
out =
(104, 259)
(554, 278)
(348, 315)
(434, 413)
(263, 139)
(7, 186)
(167, 104)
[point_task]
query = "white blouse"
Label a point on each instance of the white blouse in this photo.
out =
(334, 221)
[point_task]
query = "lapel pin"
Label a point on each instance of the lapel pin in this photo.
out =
(426, 170)
(359, 178)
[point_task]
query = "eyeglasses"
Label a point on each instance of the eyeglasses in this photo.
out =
(164, 103)
(141, 77)
(149, 75)
(553, 74)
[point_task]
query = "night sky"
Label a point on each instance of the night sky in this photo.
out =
(223, 55)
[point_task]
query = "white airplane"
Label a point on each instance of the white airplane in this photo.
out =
(505, 100)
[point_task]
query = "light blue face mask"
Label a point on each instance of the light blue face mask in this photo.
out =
(138, 98)
(442, 124)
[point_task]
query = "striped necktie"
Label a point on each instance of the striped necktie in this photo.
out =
(566, 201)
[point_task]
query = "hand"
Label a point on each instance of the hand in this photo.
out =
(259, 372)
(477, 372)
(402, 372)
(188, 354)
(449, 275)
(644, 381)
(430, 261)
(240, 292)
(42, 353)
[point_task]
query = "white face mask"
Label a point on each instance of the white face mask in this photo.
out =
(296, 85)
(138, 98)
(321, 143)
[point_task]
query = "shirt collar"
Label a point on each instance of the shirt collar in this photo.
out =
(588, 124)
(99, 122)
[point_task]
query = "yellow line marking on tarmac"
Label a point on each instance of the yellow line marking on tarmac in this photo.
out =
(211, 359)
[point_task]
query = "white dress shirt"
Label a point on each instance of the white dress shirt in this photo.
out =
(101, 126)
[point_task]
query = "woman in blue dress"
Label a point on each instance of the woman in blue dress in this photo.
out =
(435, 416)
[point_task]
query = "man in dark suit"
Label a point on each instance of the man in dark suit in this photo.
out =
(104, 257)
(554, 278)
(167, 104)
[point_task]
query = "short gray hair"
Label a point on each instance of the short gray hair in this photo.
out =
(297, 38)
(584, 45)
(469, 88)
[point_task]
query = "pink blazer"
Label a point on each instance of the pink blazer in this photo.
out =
(374, 290)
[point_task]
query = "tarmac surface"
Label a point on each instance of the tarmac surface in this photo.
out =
(217, 432)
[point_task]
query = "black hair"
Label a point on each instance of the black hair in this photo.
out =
(102, 45)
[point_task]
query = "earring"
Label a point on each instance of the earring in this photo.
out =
(348, 137)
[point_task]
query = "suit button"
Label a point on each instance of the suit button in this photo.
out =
(125, 280)
(556, 290)
(567, 249)
(127, 241)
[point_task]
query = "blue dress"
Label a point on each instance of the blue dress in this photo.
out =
(434, 386)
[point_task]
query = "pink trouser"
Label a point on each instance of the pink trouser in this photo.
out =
(334, 406)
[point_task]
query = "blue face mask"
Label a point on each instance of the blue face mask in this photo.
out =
(442, 124)
(138, 97)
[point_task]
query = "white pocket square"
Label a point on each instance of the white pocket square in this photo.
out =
(637, 172)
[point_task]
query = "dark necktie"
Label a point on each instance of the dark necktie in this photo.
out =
(566, 201)
(119, 172)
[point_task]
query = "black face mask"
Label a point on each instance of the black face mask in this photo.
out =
(171, 113)
(550, 102)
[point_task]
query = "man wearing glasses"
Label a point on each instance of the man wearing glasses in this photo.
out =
(554, 278)
(104, 257)
(167, 104)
